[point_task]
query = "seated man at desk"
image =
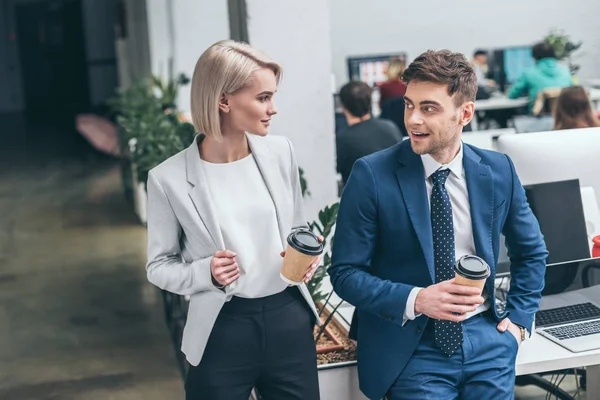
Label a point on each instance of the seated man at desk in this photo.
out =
(364, 135)
(480, 65)
(546, 73)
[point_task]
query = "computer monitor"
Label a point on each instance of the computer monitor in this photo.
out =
(508, 64)
(555, 156)
(371, 69)
(565, 231)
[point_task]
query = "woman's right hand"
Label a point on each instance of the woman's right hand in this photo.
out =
(224, 268)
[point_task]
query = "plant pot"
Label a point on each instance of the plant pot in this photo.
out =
(334, 346)
(140, 196)
(339, 382)
(331, 337)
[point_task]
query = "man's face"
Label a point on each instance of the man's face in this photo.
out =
(433, 121)
(481, 59)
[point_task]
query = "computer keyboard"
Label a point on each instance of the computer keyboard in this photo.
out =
(561, 315)
(575, 330)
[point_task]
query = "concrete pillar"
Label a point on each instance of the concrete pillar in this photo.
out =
(296, 34)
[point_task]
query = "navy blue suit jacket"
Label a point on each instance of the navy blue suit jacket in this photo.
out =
(383, 248)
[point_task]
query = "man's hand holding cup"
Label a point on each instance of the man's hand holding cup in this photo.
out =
(451, 300)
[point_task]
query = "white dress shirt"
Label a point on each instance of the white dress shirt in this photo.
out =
(244, 207)
(456, 186)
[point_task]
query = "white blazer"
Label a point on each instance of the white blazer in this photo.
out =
(183, 231)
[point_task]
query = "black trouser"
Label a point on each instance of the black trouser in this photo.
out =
(265, 343)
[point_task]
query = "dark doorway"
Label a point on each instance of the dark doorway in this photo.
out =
(52, 53)
(54, 72)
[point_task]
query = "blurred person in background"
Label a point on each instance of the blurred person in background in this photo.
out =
(481, 68)
(574, 110)
(365, 134)
(393, 88)
(546, 73)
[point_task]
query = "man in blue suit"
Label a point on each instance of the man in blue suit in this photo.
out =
(406, 214)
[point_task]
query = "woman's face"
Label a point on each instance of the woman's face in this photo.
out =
(250, 109)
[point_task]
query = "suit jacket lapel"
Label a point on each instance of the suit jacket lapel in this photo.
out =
(411, 177)
(200, 193)
(480, 186)
(267, 164)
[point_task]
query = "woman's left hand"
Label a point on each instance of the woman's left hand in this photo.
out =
(314, 266)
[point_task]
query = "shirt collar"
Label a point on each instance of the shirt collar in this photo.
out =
(455, 166)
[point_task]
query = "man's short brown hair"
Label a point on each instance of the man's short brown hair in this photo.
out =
(446, 68)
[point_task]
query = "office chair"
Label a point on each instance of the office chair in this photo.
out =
(393, 110)
(542, 113)
(530, 124)
(545, 101)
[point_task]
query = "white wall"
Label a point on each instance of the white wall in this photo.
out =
(195, 25)
(293, 33)
(296, 34)
(133, 49)
(366, 27)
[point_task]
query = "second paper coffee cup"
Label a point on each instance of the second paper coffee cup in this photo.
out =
(471, 271)
(302, 250)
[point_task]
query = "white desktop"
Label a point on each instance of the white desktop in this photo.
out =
(555, 156)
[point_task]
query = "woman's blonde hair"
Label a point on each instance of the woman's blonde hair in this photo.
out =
(224, 68)
(395, 68)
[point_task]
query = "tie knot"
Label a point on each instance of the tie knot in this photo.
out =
(439, 177)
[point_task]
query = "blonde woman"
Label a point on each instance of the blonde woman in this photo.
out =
(393, 88)
(219, 213)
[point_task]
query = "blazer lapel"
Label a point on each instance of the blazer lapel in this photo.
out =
(480, 186)
(411, 177)
(200, 193)
(267, 165)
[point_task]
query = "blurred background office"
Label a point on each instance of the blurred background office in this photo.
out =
(93, 93)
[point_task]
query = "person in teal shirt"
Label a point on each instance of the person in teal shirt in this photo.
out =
(546, 73)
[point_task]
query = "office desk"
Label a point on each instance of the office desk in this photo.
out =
(503, 103)
(500, 103)
(486, 139)
(496, 103)
(539, 354)
(594, 83)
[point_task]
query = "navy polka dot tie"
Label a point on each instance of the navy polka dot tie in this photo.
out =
(448, 334)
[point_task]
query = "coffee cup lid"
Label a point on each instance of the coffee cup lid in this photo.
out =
(472, 267)
(305, 242)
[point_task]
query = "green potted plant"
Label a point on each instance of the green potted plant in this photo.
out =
(150, 131)
(564, 48)
(336, 353)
